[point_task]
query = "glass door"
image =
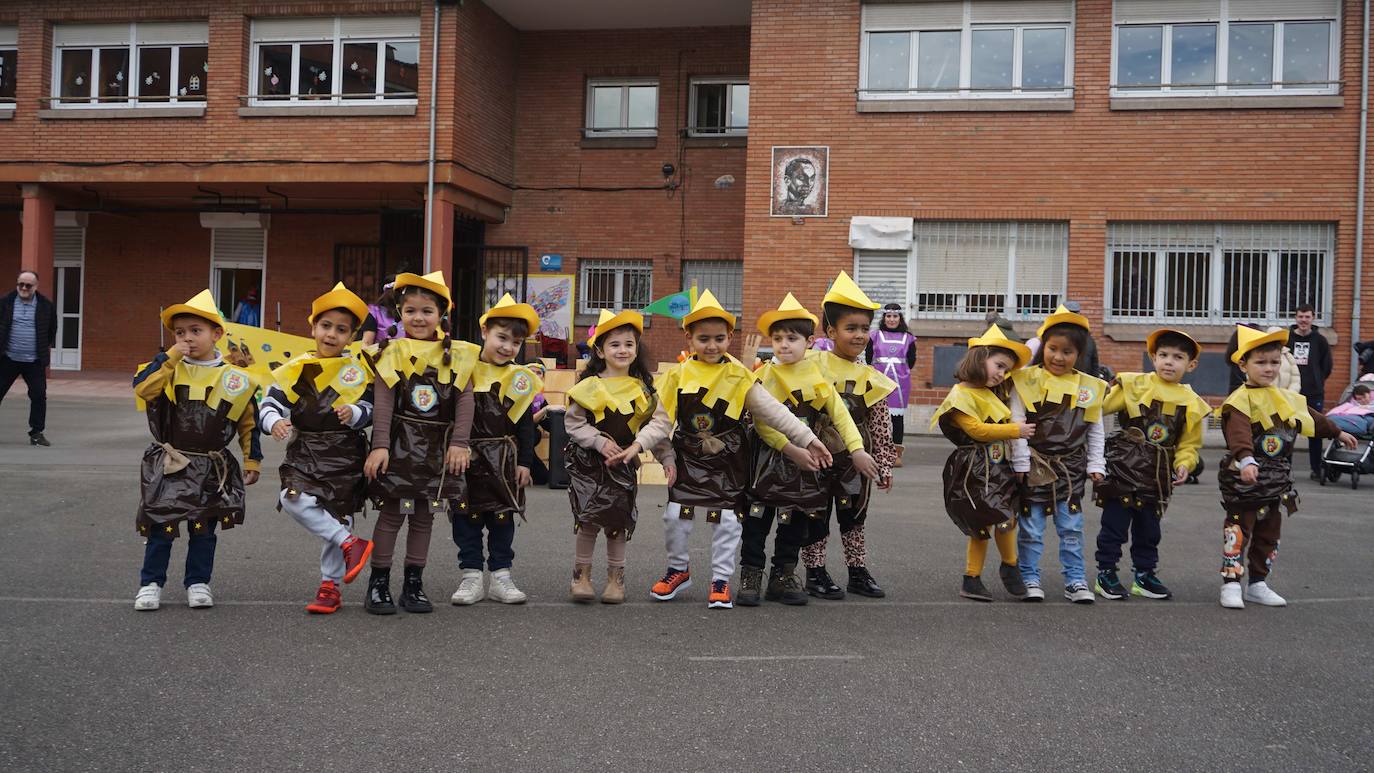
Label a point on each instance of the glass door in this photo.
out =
(66, 355)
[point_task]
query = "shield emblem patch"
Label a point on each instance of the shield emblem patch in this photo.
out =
(424, 397)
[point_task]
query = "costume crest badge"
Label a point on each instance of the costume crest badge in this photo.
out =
(234, 383)
(1086, 395)
(1157, 433)
(703, 422)
(1272, 445)
(996, 453)
(351, 376)
(520, 385)
(424, 397)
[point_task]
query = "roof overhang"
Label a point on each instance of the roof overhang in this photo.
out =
(543, 15)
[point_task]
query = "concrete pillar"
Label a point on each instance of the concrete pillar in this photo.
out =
(35, 249)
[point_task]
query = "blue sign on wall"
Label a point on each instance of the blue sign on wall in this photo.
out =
(551, 262)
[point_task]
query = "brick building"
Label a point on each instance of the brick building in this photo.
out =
(1185, 161)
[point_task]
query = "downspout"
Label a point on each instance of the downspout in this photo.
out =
(1359, 195)
(433, 115)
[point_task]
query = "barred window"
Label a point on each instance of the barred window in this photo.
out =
(724, 278)
(614, 284)
(963, 270)
(1218, 273)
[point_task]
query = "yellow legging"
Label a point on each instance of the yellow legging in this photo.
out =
(978, 550)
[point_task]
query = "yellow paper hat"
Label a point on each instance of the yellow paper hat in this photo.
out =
(608, 322)
(1062, 316)
(202, 305)
(507, 307)
(707, 307)
(995, 337)
(790, 308)
(1248, 338)
(339, 298)
(846, 293)
(1152, 340)
(433, 281)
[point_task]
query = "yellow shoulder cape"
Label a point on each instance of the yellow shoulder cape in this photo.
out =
(1263, 404)
(406, 357)
(210, 385)
(625, 395)
(728, 380)
(783, 382)
(348, 376)
(868, 382)
(1140, 390)
(980, 404)
(1037, 386)
(518, 385)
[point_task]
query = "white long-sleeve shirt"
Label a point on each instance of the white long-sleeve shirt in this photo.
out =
(1020, 448)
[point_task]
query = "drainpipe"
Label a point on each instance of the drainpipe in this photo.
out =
(433, 114)
(1359, 194)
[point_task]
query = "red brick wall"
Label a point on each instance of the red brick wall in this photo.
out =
(484, 117)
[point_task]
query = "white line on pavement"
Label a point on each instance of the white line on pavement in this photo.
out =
(751, 658)
(570, 605)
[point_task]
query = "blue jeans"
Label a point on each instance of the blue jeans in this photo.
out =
(200, 557)
(1030, 542)
(467, 535)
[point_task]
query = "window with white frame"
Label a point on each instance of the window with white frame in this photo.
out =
(335, 60)
(967, 48)
(724, 278)
(143, 64)
(719, 106)
(1218, 273)
(1231, 47)
(614, 284)
(963, 270)
(238, 267)
(9, 63)
(622, 107)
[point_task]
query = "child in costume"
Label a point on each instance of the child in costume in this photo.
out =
(1065, 406)
(786, 483)
(1155, 449)
(1261, 423)
(196, 406)
(981, 490)
(420, 428)
(701, 403)
(612, 400)
(503, 440)
(848, 316)
(321, 401)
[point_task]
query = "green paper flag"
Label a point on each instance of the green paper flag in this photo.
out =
(677, 305)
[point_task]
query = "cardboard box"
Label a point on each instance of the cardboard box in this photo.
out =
(559, 381)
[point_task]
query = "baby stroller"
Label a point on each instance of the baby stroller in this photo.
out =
(1354, 462)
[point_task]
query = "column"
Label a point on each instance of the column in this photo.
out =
(35, 249)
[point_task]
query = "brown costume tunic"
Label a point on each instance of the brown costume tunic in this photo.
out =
(1140, 457)
(708, 478)
(416, 479)
(604, 495)
(850, 489)
(326, 457)
(980, 486)
(779, 483)
(1272, 449)
(1061, 435)
(491, 476)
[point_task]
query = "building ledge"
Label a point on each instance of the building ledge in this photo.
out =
(617, 143)
(1205, 333)
(1008, 105)
(6, 112)
(1275, 102)
(715, 142)
(102, 113)
(324, 111)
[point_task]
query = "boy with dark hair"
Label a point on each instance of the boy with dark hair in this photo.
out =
(1312, 354)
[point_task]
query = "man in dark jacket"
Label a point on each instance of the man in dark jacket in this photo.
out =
(1313, 355)
(28, 331)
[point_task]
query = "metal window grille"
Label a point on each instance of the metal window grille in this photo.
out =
(614, 284)
(724, 278)
(1218, 273)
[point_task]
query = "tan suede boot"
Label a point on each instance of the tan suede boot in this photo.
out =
(582, 589)
(615, 586)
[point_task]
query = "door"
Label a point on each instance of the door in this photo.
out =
(238, 262)
(69, 258)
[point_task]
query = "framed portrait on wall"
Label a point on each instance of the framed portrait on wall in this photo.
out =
(801, 180)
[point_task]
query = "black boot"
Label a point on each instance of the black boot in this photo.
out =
(1011, 580)
(413, 598)
(819, 584)
(862, 583)
(378, 601)
(750, 578)
(973, 588)
(784, 586)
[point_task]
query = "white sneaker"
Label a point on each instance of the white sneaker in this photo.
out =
(470, 590)
(1262, 594)
(1078, 593)
(149, 597)
(1231, 597)
(198, 596)
(1033, 592)
(503, 588)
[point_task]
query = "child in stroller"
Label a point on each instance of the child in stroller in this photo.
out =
(1355, 415)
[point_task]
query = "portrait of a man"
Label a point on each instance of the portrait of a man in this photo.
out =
(800, 181)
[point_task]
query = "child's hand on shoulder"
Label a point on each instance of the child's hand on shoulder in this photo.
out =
(865, 464)
(1026, 430)
(376, 463)
(522, 477)
(282, 429)
(457, 459)
(250, 477)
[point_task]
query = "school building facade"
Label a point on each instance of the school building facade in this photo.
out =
(1189, 162)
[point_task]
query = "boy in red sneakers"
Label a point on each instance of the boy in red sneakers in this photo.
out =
(320, 403)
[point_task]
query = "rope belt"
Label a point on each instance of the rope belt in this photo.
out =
(509, 442)
(448, 430)
(1135, 435)
(175, 460)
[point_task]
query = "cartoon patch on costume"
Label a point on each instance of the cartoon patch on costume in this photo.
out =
(424, 397)
(521, 384)
(234, 383)
(996, 453)
(703, 422)
(1232, 548)
(351, 376)
(1085, 396)
(1271, 445)
(1157, 433)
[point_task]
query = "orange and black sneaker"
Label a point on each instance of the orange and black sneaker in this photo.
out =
(327, 600)
(720, 595)
(674, 580)
(356, 552)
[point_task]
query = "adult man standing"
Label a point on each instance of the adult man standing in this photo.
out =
(28, 331)
(1313, 355)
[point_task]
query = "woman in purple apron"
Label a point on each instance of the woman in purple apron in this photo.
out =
(892, 351)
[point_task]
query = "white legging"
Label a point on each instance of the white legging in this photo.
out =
(725, 538)
(316, 520)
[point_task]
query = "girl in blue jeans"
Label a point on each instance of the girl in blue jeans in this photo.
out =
(1067, 448)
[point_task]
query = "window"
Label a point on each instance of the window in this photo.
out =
(335, 60)
(124, 65)
(719, 106)
(614, 285)
(9, 62)
(963, 270)
(724, 278)
(966, 48)
(1231, 47)
(622, 108)
(238, 261)
(1217, 273)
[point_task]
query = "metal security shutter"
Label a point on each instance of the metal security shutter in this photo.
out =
(172, 33)
(1145, 11)
(883, 275)
(354, 27)
(321, 28)
(724, 278)
(9, 36)
(68, 244)
(1284, 9)
(90, 35)
(1034, 11)
(941, 14)
(238, 246)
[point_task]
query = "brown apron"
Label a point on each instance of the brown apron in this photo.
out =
(1140, 457)
(981, 490)
(188, 472)
(416, 479)
(712, 458)
(1273, 450)
(325, 458)
(603, 495)
(779, 482)
(491, 476)
(1059, 449)
(850, 489)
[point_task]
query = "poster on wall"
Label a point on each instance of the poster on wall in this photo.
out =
(801, 180)
(551, 295)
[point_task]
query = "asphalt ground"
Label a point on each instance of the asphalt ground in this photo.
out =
(921, 680)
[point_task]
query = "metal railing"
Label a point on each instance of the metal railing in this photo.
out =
(248, 99)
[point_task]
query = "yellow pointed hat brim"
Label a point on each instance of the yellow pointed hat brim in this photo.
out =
(508, 308)
(1249, 339)
(788, 309)
(708, 308)
(339, 298)
(609, 322)
(433, 281)
(1063, 316)
(846, 292)
(995, 337)
(1152, 340)
(202, 305)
